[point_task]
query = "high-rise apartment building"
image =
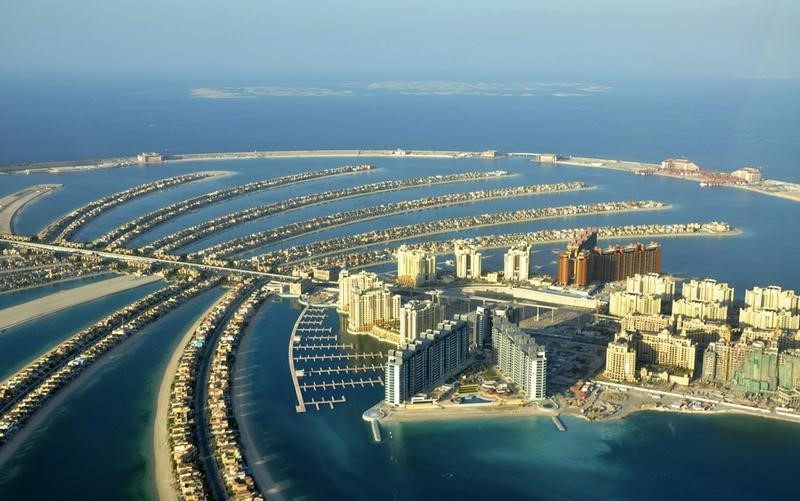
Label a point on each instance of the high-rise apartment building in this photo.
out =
(621, 303)
(584, 262)
(517, 263)
(620, 360)
(359, 281)
(718, 363)
(700, 309)
(520, 359)
(707, 291)
(661, 349)
(418, 316)
(415, 267)
(651, 284)
(772, 298)
(757, 371)
(372, 307)
(484, 319)
(468, 260)
(427, 361)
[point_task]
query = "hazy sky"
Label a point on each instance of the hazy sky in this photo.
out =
(402, 39)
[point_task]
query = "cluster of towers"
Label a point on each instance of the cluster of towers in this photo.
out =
(583, 261)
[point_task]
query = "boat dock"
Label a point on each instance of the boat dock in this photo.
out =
(319, 338)
(353, 383)
(311, 320)
(559, 424)
(324, 347)
(339, 370)
(300, 407)
(338, 356)
(376, 430)
(324, 401)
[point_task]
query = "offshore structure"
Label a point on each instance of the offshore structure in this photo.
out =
(583, 261)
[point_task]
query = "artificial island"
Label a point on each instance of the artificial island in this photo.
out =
(603, 334)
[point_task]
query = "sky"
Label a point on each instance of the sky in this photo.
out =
(304, 40)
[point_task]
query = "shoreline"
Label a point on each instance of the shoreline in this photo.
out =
(731, 233)
(473, 227)
(259, 469)
(11, 205)
(32, 310)
(481, 412)
(241, 255)
(67, 166)
(163, 464)
(632, 166)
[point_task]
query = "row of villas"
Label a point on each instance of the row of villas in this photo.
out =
(209, 255)
(189, 479)
(286, 257)
(120, 235)
(263, 238)
(377, 256)
(28, 390)
(221, 421)
(67, 226)
(33, 267)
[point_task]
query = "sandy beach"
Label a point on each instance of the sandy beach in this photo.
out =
(163, 461)
(449, 412)
(37, 308)
(11, 204)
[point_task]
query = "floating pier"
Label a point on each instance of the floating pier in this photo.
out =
(376, 430)
(319, 338)
(341, 384)
(315, 329)
(324, 347)
(345, 370)
(338, 356)
(325, 401)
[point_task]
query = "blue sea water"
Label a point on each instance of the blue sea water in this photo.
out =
(19, 345)
(98, 443)
(719, 124)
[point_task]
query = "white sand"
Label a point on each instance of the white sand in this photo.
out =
(37, 308)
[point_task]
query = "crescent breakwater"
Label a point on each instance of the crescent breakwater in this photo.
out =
(294, 230)
(286, 257)
(772, 187)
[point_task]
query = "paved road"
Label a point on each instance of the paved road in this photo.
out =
(143, 259)
(204, 447)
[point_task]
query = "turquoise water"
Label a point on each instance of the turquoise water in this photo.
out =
(98, 443)
(330, 454)
(11, 298)
(19, 345)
